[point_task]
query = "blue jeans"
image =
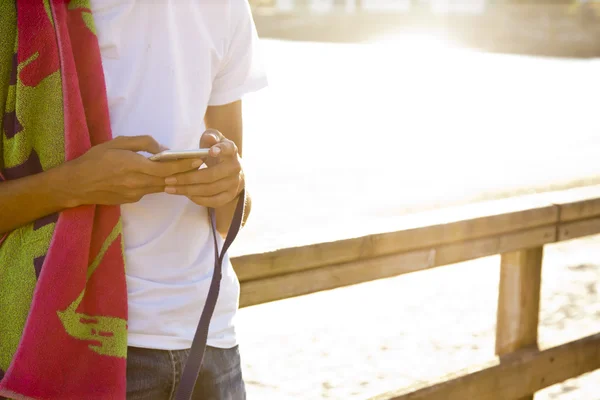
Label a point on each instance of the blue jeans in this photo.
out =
(154, 374)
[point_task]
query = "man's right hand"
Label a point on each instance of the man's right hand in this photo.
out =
(113, 173)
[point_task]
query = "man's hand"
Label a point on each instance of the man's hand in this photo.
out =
(218, 184)
(113, 173)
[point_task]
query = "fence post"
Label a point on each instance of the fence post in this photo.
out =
(519, 301)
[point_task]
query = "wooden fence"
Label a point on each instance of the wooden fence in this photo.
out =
(516, 228)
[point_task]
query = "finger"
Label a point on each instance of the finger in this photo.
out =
(209, 138)
(205, 175)
(230, 184)
(164, 169)
(136, 143)
(135, 195)
(140, 181)
(215, 201)
(225, 148)
(150, 190)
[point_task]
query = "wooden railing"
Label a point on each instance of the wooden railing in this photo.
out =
(516, 228)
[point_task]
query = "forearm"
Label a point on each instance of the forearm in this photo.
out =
(25, 200)
(225, 214)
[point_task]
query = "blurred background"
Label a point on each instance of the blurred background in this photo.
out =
(381, 108)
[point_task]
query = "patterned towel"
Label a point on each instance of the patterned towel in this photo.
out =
(63, 300)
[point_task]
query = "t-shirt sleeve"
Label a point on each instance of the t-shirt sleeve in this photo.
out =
(242, 69)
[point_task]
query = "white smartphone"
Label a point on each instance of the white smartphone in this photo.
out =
(169, 155)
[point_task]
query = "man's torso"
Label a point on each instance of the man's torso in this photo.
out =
(160, 58)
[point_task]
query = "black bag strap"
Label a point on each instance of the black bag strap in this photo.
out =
(194, 361)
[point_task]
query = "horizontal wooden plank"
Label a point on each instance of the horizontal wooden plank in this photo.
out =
(578, 229)
(464, 251)
(418, 231)
(518, 375)
(345, 274)
(319, 279)
(577, 203)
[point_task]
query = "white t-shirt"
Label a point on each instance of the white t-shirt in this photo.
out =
(165, 61)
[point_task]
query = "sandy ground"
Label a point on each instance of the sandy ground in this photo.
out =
(350, 136)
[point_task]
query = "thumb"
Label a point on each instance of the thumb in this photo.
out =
(136, 143)
(209, 138)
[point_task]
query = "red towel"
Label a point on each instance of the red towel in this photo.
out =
(63, 299)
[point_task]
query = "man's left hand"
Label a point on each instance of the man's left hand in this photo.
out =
(220, 182)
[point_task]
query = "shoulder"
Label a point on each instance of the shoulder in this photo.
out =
(225, 17)
(237, 12)
(229, 9)
(237, 5)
